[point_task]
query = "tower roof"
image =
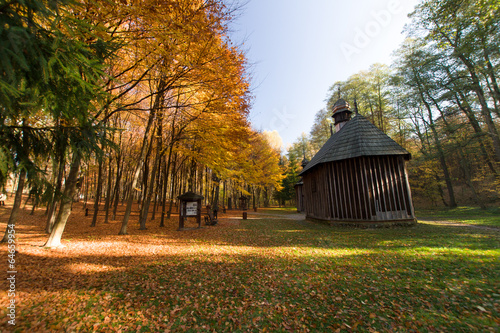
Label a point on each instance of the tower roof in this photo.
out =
(341, 105)
(190, 196)
(304, 162)
(359, 137)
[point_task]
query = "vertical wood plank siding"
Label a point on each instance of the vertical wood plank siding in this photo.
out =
(373, 188)
(299, 198)
(408, 191)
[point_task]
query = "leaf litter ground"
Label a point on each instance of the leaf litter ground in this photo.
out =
(268, 273)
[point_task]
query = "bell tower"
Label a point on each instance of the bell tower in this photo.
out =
(341, 114)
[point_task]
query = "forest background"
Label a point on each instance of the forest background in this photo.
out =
(141, 101)
(439, 99)
(123, 101)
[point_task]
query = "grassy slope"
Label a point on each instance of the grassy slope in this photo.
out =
(468, 215)
(257, 275)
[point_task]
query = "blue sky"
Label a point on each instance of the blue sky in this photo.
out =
(298, 49)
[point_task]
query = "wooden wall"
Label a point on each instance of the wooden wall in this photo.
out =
(360, 189)
(299, 198)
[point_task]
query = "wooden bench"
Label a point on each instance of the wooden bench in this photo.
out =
(210, 216)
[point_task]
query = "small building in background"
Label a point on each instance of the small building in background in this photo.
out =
(299, 194)
(358, 177)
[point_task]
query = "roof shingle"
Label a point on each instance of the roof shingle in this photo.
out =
(358, 137)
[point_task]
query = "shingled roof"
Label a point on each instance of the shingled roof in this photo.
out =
(358, 137)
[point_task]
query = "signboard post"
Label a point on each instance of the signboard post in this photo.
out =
(190, 206)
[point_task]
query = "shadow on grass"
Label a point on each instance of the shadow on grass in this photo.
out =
(281, 275)
(278, 233)
(249, 291)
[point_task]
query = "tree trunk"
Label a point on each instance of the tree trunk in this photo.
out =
(126, 188)
(149, 194)
(144, 182)
(35, 203)
(437, 142)
(172, 192)
(253, 198)
(258, 196)
(51, 217)
(159, 190)
(442, 160)
(66, 202)
(485, 111)
(14, 186)
(266, 197)
(466, 109)
(463, 161)
(192, 176)
(465, 166)
(380, 107)
(215, 205)
(142, 155)
(166, 172)
(116, 195)
(164, 193)
(97, 193)
(490, 70)
(16, 206)
(224, 195)
(87, 185)
(108, 191)
(440, 190)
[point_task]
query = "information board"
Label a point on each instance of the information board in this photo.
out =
(191, 208)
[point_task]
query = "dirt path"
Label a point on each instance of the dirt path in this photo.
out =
(293, 216)
(458, 224)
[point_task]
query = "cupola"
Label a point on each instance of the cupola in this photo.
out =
(304, 162)
(341, 114)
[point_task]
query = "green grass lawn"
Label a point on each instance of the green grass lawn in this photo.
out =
(469, 215)
(267, 275)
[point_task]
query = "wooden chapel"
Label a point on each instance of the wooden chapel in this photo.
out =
(358, 177)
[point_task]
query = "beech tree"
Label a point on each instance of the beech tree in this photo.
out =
(467, 32)
(372, 91)
(141, 101)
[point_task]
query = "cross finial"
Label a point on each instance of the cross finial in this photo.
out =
(355, 106)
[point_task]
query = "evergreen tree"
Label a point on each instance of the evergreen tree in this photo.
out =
(291, 177)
